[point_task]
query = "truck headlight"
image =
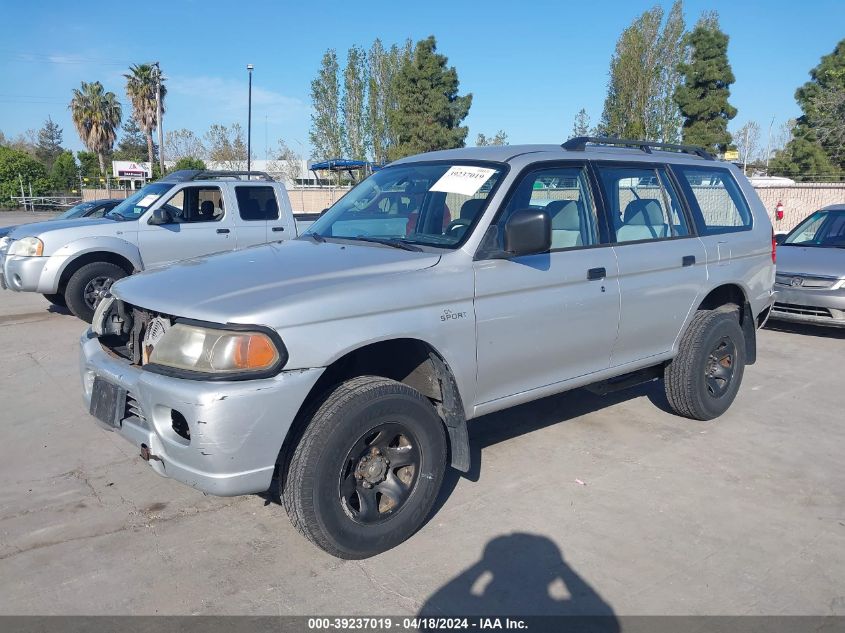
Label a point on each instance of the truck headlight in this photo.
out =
(27, 247)
(221, 353)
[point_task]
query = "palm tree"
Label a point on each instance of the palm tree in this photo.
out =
(141, 90)
(96, 115)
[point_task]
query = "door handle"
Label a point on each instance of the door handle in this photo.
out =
(222, 230)
(596, 273)
(278, 228)
(688, 260)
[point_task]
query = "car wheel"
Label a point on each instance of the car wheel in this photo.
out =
(57, 300)
(367, 468)
(703, 379)
(88, 285)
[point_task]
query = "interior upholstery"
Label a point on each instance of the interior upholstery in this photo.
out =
(470, 208)
(643, 220)
(566, 223)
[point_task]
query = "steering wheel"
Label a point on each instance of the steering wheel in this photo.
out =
(454, 224)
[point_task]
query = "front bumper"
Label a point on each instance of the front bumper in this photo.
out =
(235, 428)
(31, 274)
(821, 306)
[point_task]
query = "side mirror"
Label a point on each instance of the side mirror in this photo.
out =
(528, 231)
(780, 238)
(161, 216)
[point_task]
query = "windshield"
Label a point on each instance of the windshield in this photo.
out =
(824, 229)
(418, 203)
(77, 211)
(134, 206)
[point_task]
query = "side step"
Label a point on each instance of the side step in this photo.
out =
(625, 381)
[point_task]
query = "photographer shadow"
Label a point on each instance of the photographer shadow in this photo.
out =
(522, 575)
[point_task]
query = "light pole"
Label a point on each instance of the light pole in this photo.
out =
(249, 68)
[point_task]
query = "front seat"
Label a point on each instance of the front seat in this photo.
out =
(206, 213)
(642, 220)
(566, 223)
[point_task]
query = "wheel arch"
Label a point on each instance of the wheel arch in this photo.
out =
(89, 257)
(727, 294)
(411, 361)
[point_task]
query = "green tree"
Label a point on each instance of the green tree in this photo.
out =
(644, 76)
(703, 96)
(141, 87)
(49, 145)
(133, 143)
(499, 138)
(64, 175)
(183, 143)
(327, 133)
(430, 111)
(354, 103)
(226, 145)
(189, 162)
(16, 167)
(89, 166)
(581, 125)
(96, 115)
(384, 65)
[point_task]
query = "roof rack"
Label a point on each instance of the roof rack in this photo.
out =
(579, 143)
(187, 175)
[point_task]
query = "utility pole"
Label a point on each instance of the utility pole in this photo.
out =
(249, 68)
(745, 158)
(158, 120)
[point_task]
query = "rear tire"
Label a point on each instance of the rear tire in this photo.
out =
(57, 300)
(367, 468)
(87, 286)
(702, 381)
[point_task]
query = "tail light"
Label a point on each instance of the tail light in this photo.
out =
(774, 248)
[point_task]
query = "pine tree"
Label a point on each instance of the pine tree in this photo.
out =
(49, 144)
(703, 96)
(133, 143)
(581, 125)
(353, 103)
(430, 111)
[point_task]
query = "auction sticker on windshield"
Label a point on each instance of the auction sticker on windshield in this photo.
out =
(148, 200)
(463, 180)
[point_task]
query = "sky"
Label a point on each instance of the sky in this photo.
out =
(530, 65)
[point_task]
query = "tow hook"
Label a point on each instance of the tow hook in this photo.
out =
(146, 455)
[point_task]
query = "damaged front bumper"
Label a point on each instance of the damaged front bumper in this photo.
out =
(222, 438)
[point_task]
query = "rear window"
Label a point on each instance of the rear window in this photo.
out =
(718, 205)
(257, 203)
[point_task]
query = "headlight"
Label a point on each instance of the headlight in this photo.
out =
(27, 247)
(195, 348)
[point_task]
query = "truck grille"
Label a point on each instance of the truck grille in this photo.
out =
(133, 408)
(791, 308)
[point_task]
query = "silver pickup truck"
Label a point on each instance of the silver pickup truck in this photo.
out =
(185, 214)
(341, 367)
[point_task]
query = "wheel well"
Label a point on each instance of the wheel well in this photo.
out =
(729, 295)
(409, 361)
(723, 295)
(90, 258)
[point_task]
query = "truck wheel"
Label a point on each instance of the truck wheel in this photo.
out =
(365, 473)
(703, 379)
(57, 300)
(88, 285)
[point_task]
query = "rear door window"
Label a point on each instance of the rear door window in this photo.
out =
(717, 204)
(257, 203)
(641, 204)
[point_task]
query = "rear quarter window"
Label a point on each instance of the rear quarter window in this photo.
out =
(717, 203)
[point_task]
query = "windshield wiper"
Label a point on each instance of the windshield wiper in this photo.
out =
(392, 242)
(315, 236)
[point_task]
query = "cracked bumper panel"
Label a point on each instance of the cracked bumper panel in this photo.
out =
(236, 429)
(32, 274)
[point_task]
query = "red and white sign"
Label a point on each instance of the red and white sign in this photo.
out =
(129, 169)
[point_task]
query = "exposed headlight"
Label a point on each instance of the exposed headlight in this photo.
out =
(217, 352)
(27, 247)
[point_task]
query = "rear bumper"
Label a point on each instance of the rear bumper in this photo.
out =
(235, 428)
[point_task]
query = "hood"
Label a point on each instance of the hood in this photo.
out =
(5, 230)
(813, 260)
(36, 229)
(257, 284)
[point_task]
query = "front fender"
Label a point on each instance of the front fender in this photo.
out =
(69, 253)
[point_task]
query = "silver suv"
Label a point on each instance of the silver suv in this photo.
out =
(342, 367)
(186, 214)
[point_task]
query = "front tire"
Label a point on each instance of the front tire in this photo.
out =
(57, 300)
(88, 285)
(367, 469)
(703, 379)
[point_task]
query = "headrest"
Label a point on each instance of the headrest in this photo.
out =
(564, 214)
(207, 207)
(643, 212)
(417, 186)
(471, 207)
(251, 205)
(270, 206)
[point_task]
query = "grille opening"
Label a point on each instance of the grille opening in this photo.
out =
(790, 308)
(180, 425)
(133, 408)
